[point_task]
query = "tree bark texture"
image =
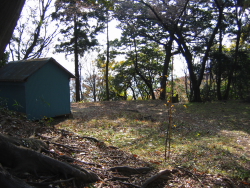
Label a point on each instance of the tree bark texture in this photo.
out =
(10, 11)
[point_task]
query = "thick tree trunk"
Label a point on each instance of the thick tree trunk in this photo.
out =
(168, 49)
(195, 87)
(10, 11)
(196, 79)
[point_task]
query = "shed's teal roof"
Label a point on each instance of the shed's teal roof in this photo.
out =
(19, 71)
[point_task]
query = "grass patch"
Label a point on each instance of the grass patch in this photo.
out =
(209, 138)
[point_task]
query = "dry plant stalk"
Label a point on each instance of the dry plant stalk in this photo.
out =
(170, 116)
(169, 129)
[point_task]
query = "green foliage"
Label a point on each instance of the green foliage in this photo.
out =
(194, 26)
(240, 79)
(78, 27)
(3, 103)
(17, 105)
(142, 69)
(46, 121)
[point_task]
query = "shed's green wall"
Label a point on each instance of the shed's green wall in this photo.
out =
(47, 92)
(13, 94)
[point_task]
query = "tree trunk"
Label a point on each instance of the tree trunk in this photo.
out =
(219, 72)
(146, 81)
(76, 53)
(195, 88)
(10, 11)
(94, 86)
(168, 49)
(107, 62)
(197, 79)
(133, 91)
(230, 77)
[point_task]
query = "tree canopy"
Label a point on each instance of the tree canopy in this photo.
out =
(211, 36)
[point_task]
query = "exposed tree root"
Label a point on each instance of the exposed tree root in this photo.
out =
(130, 184)
(22, 160)
(31, 143)
(129, 170)
(70, 159)
(163, 174)
(9, 181)
(52, 182)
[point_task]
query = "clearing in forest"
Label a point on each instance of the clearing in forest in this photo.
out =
(210, 142)
(123, 144)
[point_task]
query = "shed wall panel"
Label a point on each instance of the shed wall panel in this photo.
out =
(13, 94)
(47, 92)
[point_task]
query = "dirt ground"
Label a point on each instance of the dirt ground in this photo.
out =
(117, 168)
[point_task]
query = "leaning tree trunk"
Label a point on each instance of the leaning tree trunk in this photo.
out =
(10, 11)
(168, 48)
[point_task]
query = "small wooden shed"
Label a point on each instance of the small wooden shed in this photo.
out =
(37, 87)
